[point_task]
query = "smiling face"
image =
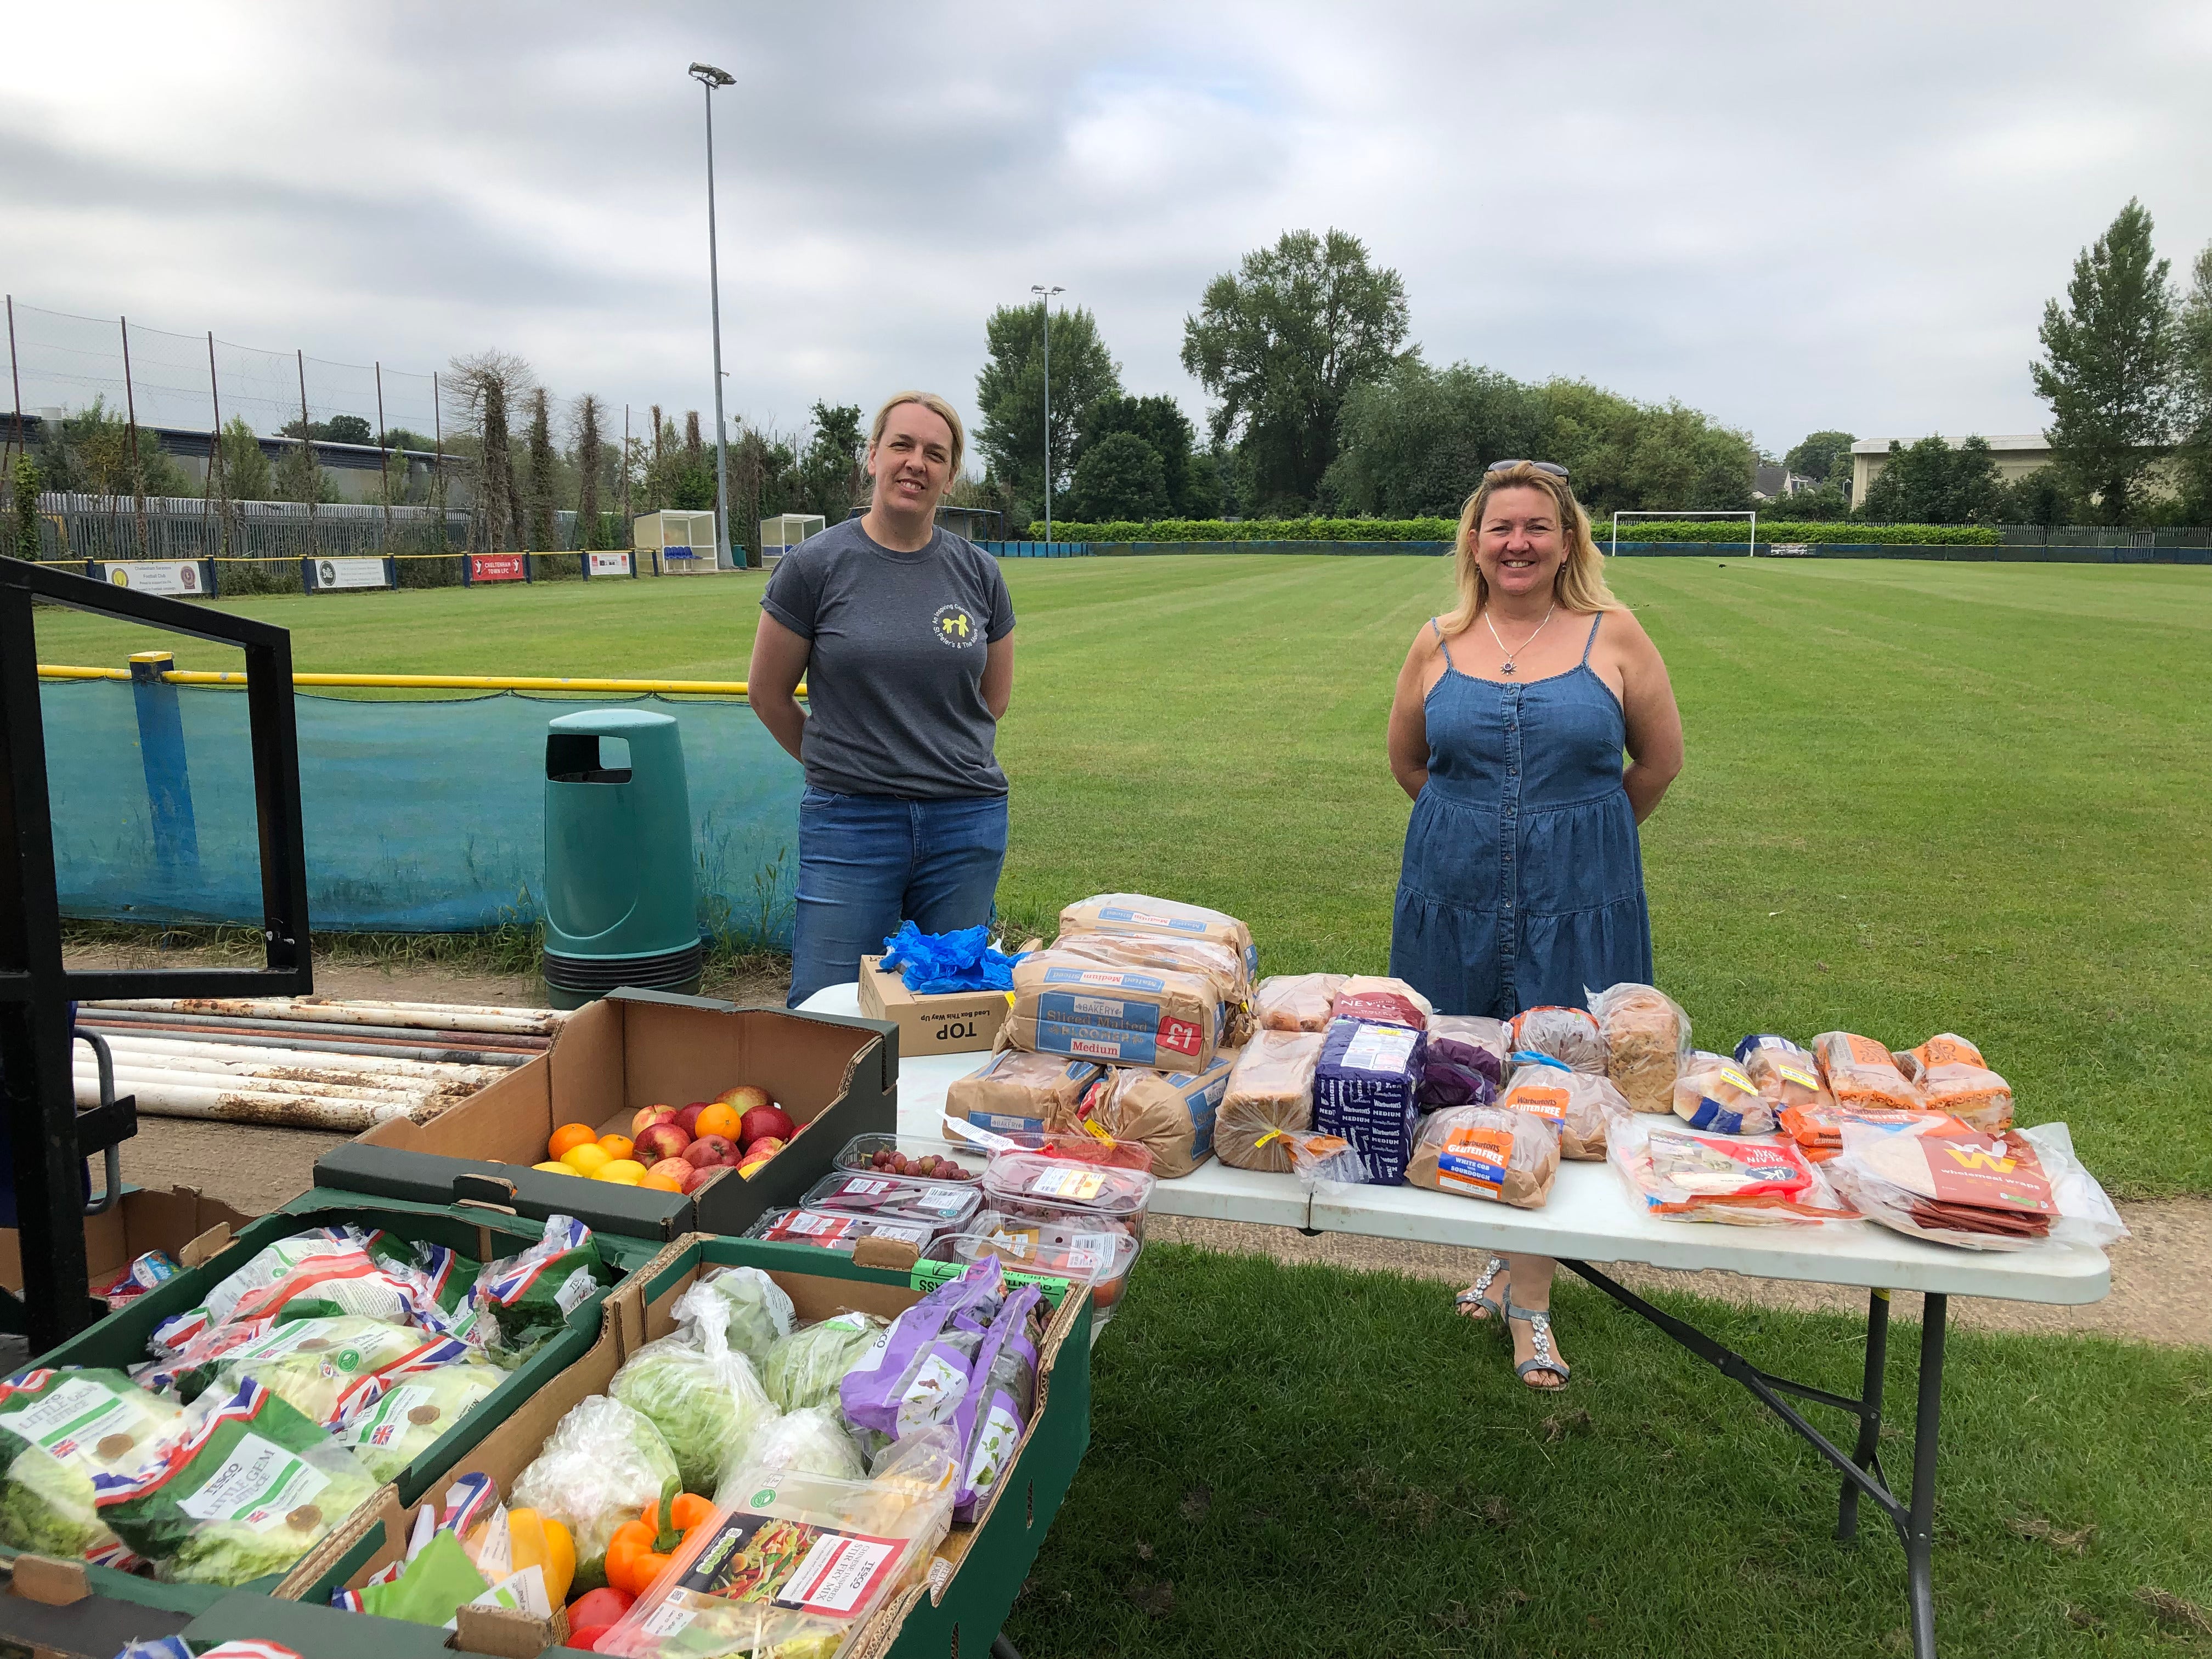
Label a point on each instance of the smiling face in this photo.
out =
(1519, 542)
(911, 462)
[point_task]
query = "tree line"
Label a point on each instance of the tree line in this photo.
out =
(1321, 407)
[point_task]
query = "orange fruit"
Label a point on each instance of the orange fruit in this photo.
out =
(587, 1160)
(615, 1145)
(719, 1120)
(569, 1136)
(659, 1183)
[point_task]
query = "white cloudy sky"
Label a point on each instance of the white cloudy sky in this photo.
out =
(1791, 216)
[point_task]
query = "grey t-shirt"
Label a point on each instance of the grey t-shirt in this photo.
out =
(895, 679)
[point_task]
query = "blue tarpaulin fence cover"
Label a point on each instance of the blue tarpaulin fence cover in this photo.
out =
(421, 816)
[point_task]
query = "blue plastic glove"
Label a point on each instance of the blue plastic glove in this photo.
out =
(961, 961)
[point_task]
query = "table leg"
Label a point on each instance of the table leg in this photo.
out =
(1920, 1526)
(1869, 1441)
(1002, 1649)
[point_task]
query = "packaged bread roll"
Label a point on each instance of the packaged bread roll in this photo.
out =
(1569, 1035)
(1714, 1094)
(1646, 1035)
(1785, 1074)
(1270, 1087)
(1486, 1152)
(1297, 1002)
(1579, 1108)
(1859, 1072)
(1380, 1000)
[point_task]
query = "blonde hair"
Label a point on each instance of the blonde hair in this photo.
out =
(1580, 583)
(937, 406)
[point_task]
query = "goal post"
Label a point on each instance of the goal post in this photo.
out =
(1752, 514)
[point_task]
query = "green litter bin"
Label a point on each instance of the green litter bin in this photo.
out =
(619, 904)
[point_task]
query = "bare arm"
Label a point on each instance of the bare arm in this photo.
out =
(1409, 721)
(1655, 724)
(999, 676)
(779, 661)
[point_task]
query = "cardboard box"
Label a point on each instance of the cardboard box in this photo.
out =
(175, 1220)
(120, 1340)
(945, 1023)
(982, 1564)
(837, 1078)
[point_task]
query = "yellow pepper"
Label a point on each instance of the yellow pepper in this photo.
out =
(535, 1541)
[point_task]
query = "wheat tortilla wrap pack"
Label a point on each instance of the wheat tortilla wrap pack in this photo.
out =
(1017, 1091)
(1140, 913)
(1071, 1006)
(1170, 1112)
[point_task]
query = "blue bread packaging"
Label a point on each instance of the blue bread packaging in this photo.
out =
(1365, 1089)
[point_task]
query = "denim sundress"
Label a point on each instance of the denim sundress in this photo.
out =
(1522, 881)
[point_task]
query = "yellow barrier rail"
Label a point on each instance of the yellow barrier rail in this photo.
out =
(424, 682)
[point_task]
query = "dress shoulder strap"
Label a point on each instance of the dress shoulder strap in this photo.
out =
(1443, 646)
(1592, 640)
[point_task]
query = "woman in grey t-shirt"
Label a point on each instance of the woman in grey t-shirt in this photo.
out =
(905, 634)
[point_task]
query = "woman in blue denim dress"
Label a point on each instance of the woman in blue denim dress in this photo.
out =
(1522, 881)
(905, 633)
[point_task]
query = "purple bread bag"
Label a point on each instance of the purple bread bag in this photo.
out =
(990, 1421)
(920, 1369)
(1456, 1073)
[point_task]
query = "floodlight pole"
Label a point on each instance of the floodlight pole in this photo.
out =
(1044, 299)
(708, 78)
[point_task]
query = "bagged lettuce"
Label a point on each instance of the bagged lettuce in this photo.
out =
(809, 1441)
(60, 1433)
(417, 1406)
(755, 1311)
(705, 1398)
(804, 1368)
(447, 1274)
(324, 1271)
(248, 1488)
(526, 1299)
(603, 1463)
(330, 1371)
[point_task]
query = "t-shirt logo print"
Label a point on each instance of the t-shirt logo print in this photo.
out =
(954, 626)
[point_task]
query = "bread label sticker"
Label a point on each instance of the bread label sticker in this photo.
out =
(1474, 1161)
(1803, 1079)
(1736, 1080)
(1380, 1048)
(1542, 1101)
(1178, 1036)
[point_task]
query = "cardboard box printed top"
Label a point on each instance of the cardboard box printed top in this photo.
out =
(940, 1023)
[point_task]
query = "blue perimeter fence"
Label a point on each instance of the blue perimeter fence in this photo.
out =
(2006, 555)
(421, 816)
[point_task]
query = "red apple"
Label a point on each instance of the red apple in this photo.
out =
(645, 1116)
(658, 1141)
(766, 1120)
(672, 1169)
(744, 1097)
(708, 1150)
(688, 1119)
(697, 1175)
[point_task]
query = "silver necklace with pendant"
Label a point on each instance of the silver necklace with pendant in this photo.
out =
(1507, 665)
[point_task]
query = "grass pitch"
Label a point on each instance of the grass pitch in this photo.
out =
(1920, 797)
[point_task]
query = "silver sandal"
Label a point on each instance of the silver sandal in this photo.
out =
(1539, 1322)
(1477, 1295)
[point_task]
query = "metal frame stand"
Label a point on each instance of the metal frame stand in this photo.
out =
(47, 1139)
(1861, 1467)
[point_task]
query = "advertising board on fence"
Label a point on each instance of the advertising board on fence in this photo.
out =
(498, 567)
(608, 564)
(172, 578)
(348, 573)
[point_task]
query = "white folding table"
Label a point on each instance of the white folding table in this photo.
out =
(1587, 1218)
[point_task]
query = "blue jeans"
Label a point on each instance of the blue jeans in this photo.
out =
(868, 862)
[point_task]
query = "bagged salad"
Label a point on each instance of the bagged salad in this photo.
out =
(330, 1371)
(524, 1301)
(416, 1407)
(61, 1433)
(989, 1421)
(316, 1274)
(757, 1313)
(919, 1370)
(245, 1491)
(804, 1369)
(811, 1440)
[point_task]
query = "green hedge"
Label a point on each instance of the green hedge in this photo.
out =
(1443, 529)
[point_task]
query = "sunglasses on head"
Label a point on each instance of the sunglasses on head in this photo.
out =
(1552, 467)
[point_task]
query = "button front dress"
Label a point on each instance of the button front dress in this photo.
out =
(1522, 881)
